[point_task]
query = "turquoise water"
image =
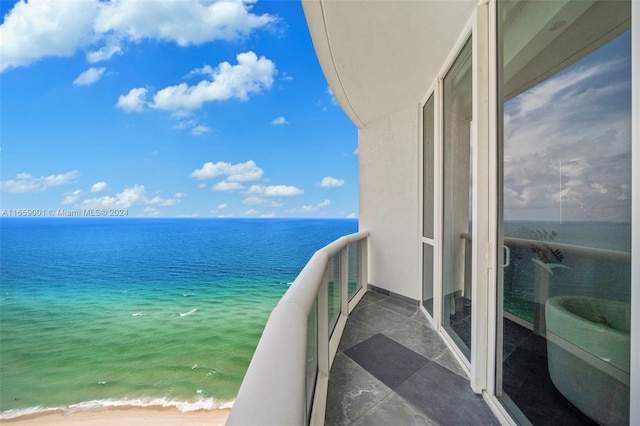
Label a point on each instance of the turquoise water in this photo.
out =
(97, 313)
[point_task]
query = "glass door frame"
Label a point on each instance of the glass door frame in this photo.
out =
(487, 17)
(476, 367)
(487, 254)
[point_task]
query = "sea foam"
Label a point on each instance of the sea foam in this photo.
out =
(106, 404)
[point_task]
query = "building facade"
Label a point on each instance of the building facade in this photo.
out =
(499, 158)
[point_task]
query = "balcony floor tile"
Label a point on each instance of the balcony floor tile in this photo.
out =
(390, 341)
(389, 361)
(352, 392)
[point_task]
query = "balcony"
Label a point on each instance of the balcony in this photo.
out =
(334, 353)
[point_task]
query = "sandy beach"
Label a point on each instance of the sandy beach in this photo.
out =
(125, 416)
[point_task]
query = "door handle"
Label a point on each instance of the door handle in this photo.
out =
(507, 256)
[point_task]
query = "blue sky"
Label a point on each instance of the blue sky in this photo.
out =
(172, 108)
(568, 142)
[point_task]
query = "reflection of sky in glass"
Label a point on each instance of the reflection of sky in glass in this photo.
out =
(568, 141)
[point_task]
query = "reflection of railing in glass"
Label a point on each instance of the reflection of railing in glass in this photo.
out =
(527, 283)
(573, 257)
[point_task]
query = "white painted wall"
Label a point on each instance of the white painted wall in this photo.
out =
(389, 209)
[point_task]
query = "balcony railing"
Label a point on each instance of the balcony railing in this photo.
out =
(286, 382)
(543, 268)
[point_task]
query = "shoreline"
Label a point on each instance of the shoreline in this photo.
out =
(123, 416)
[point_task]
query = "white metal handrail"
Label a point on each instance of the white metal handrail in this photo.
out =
(273, 391)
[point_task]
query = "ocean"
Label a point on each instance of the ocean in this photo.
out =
(97, 313)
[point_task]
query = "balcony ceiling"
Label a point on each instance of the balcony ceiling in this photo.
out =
(382, 56)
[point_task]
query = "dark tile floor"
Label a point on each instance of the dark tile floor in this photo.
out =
(527, 382)
(392, 368)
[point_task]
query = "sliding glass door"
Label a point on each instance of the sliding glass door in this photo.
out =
(565, 168)
(457, 197)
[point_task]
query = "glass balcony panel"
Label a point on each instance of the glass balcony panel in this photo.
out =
(312, 355)
(334, 277)
(355, 277)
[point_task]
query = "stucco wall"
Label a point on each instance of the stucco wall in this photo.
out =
(389, 201)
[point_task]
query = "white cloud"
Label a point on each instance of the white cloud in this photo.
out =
(99, 186)
(185, 23)
(253, 201)
(89, 76)
(274, 190)
(332, 97)
(329, 182)
(227, 186)
(250, 75)
(72, 197)
(186, 124)
(310, 208)
(200, 130)
(351, 216)
(106, 52)
(40, 28)
(130, 196)
(222, 206)
(24, 182)
(257, 201)
(241, 172)
(135, 100)
(164, 201)
(279, 121)
(568, 141)
(124, 199)
(251, 212)
(355, 151)
(151, 212)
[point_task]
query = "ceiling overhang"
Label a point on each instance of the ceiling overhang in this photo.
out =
(380, 57)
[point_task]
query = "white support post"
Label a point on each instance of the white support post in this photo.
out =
(364, 263)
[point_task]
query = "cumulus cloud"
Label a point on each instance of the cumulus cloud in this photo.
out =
(257, 201)
(186, 124)
(185, 23)
(130, 196)
(40, 28)
(250, 75)
(151, 211)
(99, 186)
(329, 182)
(227, 186)
(89, 76)
(72, 197)
(274, 190)
(200, 130)
(251, 212)
(241, 172)
(310, 208)
(24, 182)
(279, 121)
(104, 53)
(567, 143)
(134, 101)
